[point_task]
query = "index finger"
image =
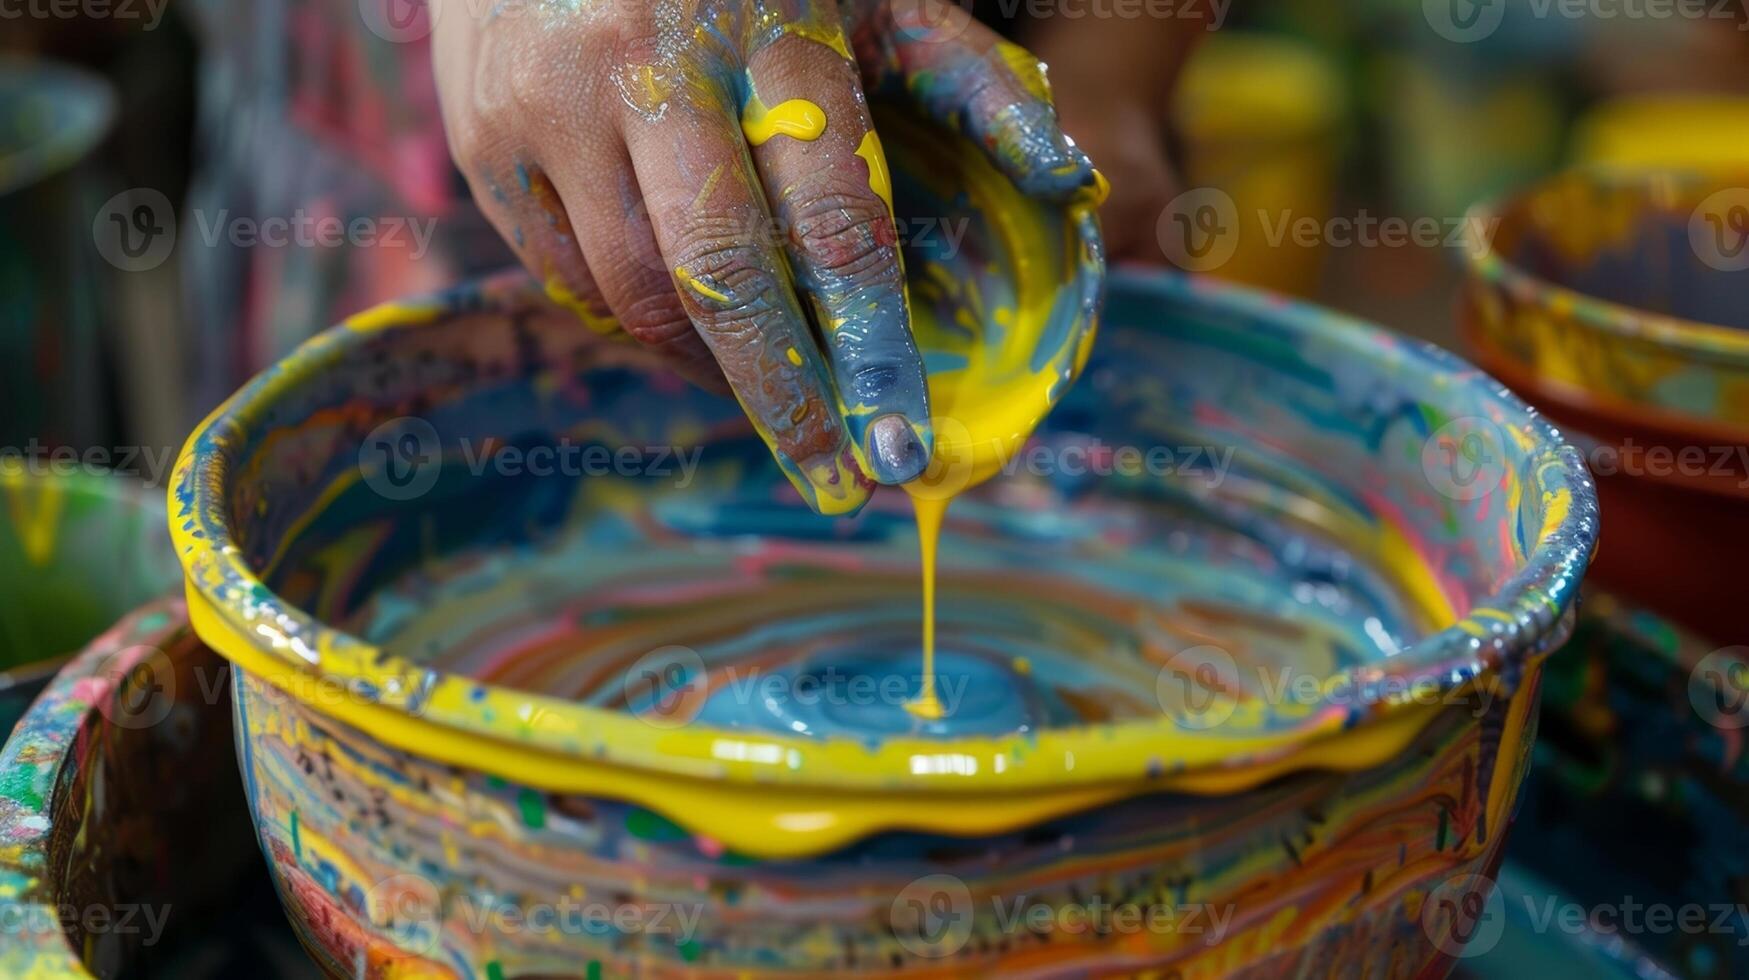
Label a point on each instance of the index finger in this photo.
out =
(815, 148)
(708, 213)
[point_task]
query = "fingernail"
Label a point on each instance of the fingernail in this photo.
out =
(895, 454)
(1046, 161)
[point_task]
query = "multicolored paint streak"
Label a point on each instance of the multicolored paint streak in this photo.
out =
(1615, 301)
(76, 552)
(447, 723)
(391, 863)
(118, 826)
(1622, 292)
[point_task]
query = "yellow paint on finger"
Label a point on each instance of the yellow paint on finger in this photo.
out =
(699, 286)
(797, 119)
(561, 294)
(831, 36)
(1027, 69)
(795, 356)
(1095, 196)
(879, 179)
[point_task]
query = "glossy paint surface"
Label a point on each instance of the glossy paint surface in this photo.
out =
(452, 674)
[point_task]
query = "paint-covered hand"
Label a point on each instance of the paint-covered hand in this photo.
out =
(704, 175)
(1113, 79)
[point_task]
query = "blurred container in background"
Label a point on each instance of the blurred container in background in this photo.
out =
(1665, 131)
(1261, 117)
(55, 375)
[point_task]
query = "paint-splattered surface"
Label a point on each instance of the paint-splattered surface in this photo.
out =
(76, 552)
(1626, 293)
(1388, 524)
(389, 862)
(1641, 786)
(119, 831)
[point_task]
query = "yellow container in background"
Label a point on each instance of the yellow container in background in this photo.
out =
(1260, 117)
(1681, 131)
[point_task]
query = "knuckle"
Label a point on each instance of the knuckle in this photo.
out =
(656, 320)
(731, 283)
(849, 235)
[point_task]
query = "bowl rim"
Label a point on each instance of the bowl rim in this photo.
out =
(1696, 338)
(561, 746)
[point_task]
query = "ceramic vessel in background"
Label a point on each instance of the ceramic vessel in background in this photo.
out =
(417, 819)
(126, 848)
(77, 550)
(1262, 119)
(1617, 302)
(1664, 131)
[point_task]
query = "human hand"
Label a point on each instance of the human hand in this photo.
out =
(694, 171)
(1113, 82)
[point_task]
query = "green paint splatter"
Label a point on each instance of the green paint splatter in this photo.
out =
(494, 970)
(297, 839)
(592, 971)
(689, 951)
(1444, 821)
(645, 825)
(20, 783)
(533, 807)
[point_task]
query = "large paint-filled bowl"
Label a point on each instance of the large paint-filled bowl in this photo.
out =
(1618, 302)
(77, 550)
(1240, 661)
